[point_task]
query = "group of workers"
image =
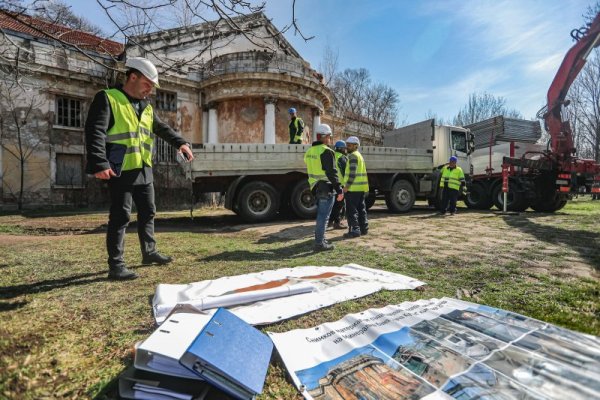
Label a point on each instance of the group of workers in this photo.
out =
(119, 134)
(337, 178)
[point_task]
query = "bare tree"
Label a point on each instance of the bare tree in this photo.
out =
(58, 12)
(432, 115)
(583, 112)
(482, 106)
(131, 18)
(330, 64)
(17, 109)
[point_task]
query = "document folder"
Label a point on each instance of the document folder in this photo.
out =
(115, 153)
(138, 384)
(161, 351)
(230, 354)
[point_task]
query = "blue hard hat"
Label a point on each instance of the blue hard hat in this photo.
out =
(453, 159)
(292, 110)
(340, 144)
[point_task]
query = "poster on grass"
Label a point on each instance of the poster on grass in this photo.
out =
(270, 296)
(440, 349)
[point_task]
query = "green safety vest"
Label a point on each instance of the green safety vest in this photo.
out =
(296, 123)
(130, 131)
(454, 177)
(361, 180)
(340, 173)
(314, 168)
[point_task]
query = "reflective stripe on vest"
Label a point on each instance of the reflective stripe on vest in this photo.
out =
(295, 123)
(454, 177)
(361, 180)
(130, 131)
(314, 168)
(340, 173)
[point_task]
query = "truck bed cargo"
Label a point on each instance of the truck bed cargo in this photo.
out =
(259, 159)
(501, 129)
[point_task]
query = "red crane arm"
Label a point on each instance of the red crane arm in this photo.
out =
(559, 131)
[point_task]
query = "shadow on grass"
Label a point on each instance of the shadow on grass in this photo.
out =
(10, 292)
(296, 250)
(585, 242)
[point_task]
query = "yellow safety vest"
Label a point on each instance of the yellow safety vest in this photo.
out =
(130, 131)
(340, 173)
(454, 177)
(296, 123)
(361, 180)
(314, 168)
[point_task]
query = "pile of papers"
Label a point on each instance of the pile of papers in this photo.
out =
(199, 356)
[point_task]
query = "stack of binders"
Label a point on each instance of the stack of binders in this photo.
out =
(199, 356)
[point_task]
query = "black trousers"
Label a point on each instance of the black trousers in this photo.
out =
(356, 212)
(449, 198)
(336, 212)
(121, 197)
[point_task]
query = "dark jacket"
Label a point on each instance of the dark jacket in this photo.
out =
(323, 188)
(100, 119)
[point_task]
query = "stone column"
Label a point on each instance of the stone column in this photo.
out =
(270, 120)
(316, 122)
(213, 129)
(204, 124)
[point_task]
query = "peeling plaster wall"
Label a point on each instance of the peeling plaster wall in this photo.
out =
(241, 121)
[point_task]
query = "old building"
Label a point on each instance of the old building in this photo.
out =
(238, 92)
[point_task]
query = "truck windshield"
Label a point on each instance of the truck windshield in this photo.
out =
(459, 141)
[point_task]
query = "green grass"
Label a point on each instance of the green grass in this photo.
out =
(66, 331)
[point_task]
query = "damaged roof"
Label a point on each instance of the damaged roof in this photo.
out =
(39, 28)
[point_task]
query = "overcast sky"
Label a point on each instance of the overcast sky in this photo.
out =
(434, 53)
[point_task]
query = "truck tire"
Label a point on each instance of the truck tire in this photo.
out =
(370, 199)
(401, 198)
(516, 200)
(258, 201)
(303, 201)
(478, 198)
(551, 204)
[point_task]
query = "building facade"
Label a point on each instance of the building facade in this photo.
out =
(238, 92)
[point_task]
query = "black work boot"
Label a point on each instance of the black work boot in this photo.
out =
(323, 246)
(156, 258)
(121, 273)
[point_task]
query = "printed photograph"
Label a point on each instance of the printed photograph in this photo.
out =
(460, 339)
(481, 382)
(362, 374)
(543, 376)
(486, 325)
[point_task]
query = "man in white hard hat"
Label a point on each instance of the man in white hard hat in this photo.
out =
(323, 181)
(119, 141)
(356, 187)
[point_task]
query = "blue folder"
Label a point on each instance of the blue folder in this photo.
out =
(115, 153)
(230, 354)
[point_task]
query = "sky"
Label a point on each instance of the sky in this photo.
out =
(433, 53)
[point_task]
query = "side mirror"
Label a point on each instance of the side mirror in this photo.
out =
(471, 143)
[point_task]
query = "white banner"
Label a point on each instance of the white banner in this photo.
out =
(271, 296)
(440, 349)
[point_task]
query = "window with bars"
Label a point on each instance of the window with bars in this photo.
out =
(69, 169)
(166, 101)
(164, 152)
(68, 112)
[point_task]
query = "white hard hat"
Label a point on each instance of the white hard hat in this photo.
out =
(353, 140)
(145, 66)
(323, 129)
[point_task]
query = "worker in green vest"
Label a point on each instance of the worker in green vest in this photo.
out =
(356, 187)
(323, 181)
(119, 133)
(452, 180)
(335, 219)
(296, 127)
